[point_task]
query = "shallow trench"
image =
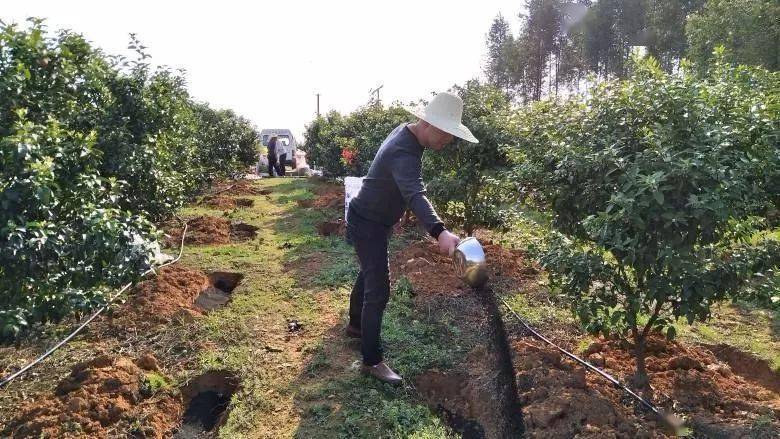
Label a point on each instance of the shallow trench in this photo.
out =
(481, 401)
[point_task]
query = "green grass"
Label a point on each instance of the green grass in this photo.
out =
(321, 397)
(417, 342)
(745, 327)
(154, 381)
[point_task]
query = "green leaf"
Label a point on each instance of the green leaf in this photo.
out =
(659, 197)
(671, 332)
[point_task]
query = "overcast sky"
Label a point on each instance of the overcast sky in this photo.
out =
(268, 60)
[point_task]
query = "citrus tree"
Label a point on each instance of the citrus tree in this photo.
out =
(63, 238)
(346, 145)
(464, 179)
(659, 187)
(91, 149)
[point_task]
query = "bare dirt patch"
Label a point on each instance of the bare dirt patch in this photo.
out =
(170, 293)
(238, 187)
(432, 273)
(332, 228)
(200, 230)
(749, 367)
(209, 230)
(328, 196)
(102, 396)
(243, 232)
(561, 400)
(226, 202)
(175, 293)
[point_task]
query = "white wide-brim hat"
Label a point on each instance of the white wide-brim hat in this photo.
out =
(445, 112)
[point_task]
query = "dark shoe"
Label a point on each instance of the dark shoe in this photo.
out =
(353, 332)
(383, 373)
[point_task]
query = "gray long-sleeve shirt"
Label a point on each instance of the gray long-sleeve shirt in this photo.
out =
(394, 182)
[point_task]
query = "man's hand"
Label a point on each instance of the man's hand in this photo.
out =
(447, 242)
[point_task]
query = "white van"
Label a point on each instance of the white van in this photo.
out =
(284, 136)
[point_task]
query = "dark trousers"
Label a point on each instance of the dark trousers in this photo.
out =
(372, 287)
(280, 166)
(272, 164)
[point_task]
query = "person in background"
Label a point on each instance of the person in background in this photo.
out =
(392, 185)
(272, 155)
(281, 152)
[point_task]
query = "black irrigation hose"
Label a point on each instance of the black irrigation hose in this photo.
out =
(593, 368)
(35, 362)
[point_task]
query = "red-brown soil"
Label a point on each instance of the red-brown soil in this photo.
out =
(238, 187)
(101, 398)
(329, 228)
(160, 298)
(226, 202)
(200, 230)
(328, 196)
(205, 230)
(561, 400)
(432, 273)
(723, 393)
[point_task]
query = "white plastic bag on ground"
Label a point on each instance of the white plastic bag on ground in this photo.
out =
(352, 186)
(300, 159)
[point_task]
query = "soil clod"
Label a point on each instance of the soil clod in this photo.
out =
(329, 228)
(243, 232)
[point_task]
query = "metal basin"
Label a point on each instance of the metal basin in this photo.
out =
(469, 262)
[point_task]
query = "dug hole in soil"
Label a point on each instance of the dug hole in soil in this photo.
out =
(100, 397)
(206, 399)
(209, 230)
(176, 293)
(111, 393)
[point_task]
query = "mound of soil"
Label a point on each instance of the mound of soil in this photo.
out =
(225, 202)
(432, 273)
(243, 232)
(328, 196)
(172, 292)
(204, 230)
(200, 230)
(101, 397)
(329, 228)
(561, 400)
(239, 187)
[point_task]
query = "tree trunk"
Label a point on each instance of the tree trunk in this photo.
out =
(640, 381)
